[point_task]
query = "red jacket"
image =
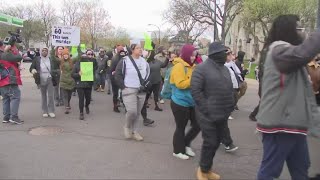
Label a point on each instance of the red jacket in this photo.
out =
(9, 62)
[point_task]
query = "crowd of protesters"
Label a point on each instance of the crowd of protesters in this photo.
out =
(203, 92)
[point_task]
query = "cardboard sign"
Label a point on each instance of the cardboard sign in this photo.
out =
(87, 71)
(65, 36)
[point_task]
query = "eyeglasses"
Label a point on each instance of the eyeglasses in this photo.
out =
(301, 29)
(90, 54)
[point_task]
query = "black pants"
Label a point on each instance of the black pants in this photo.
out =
(181, 116)
(84, 94)
(67, 94)
(213, 134)
(115, 92)
(155, 90)
(255, 111)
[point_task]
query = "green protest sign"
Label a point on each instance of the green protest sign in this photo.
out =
(147, 42)
(86, 69)
(83, 47)
(74, 51)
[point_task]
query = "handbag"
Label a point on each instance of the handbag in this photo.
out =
(53, 77)
(145, 84)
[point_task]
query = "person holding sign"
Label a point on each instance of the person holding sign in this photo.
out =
(132, 75)
(83, 73)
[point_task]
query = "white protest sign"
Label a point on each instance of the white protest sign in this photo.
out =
(65, 36)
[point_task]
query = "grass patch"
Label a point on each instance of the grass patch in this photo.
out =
(251, 75)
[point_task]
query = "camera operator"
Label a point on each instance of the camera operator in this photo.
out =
(10, 80)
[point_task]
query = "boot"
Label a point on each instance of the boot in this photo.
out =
(81, 116)
(157, 108)
(207, 176)
(116, 107)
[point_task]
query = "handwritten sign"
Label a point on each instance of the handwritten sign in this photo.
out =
(65, 36)
(87, 71)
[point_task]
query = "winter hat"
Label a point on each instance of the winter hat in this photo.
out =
(65, 51)
(216, 47)
(186, 53)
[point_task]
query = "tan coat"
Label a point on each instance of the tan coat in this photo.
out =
(314, 72)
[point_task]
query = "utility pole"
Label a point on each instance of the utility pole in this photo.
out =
(318, 16)
(215, 20)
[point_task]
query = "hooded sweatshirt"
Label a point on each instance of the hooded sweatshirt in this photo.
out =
(180, 78)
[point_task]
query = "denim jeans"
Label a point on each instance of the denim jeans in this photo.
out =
(11, 100)
(100, 80)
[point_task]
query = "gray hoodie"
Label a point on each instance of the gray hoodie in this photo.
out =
(287, 102)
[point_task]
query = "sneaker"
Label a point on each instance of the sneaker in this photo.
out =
(230, 118)
(67, 111)
(81, 116)
(127, 133)
(5, 121)
(102, 90)
(52, 115)
(148, 122)
(236, 107)
(181, 156)
(136, 136)
(231, 148)
(16, 121)
(45, 115)
(161, 101)
(1, 97)
(189, 152)
(87, 110)
(157, 109)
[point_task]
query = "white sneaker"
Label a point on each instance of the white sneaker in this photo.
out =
(181, 156)
(189, 152)
(45, 115)
(52, 115)
(1, 97)
(127, 133)
(230, 118)
(136, 136)
(161, 101)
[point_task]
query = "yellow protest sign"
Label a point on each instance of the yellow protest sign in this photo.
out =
(87, 71)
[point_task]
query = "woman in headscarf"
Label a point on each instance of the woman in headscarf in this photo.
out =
(182, 103)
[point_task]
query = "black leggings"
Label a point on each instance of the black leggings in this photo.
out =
(155, 90)
(84, 94)
(115, 92)
(181, 116)
(66, 96)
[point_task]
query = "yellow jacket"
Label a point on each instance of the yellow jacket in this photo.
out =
(178, 76)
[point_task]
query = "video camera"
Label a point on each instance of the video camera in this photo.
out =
(13, 38)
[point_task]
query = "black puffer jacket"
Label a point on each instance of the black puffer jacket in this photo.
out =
(77, 77)
(212, 91)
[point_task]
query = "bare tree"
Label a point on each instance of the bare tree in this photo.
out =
(205, 11)
(47, 16)
(71, 12)
(95, 22)
(189, 28)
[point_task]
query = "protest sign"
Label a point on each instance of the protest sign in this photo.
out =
(147, 42)
(86, 69)
(65, 36)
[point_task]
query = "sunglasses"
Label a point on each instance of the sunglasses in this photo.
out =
(90, 54)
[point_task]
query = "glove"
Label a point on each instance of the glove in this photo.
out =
(33, 71)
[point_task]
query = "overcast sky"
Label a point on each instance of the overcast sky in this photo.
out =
(133, 15)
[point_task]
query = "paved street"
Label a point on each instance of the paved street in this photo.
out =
(96, 148)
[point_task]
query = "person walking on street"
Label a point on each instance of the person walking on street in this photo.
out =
(213, 93)
(243, 85)
(102, 70)
(48, 73)
(288, 110)
(182, 103)
(115, 88)
(130, 73)
(161, 56)
(84, 88)
(108, 74)
(67, 83)
(56, 56)
(9, 84)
